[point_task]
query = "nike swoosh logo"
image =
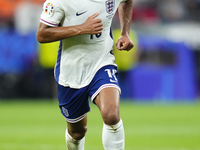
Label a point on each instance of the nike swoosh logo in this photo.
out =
(78, 14)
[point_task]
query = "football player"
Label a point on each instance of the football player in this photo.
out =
(86, 65)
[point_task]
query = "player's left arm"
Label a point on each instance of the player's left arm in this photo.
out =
(125, 17)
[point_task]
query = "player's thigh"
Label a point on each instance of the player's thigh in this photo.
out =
(108, 102)
(77, 130)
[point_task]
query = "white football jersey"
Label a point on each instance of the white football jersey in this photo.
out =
(80, 57)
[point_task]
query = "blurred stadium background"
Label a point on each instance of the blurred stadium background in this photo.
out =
(160, 79)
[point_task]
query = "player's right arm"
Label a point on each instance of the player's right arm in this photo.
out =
(46, 33)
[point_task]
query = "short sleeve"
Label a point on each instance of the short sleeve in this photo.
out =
(52, 13)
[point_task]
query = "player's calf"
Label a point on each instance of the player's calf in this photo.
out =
(75, 144)
(113, 137)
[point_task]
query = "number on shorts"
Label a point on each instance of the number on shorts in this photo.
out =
(111, 74)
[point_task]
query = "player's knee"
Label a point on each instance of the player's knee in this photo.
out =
(111, 117)
(79, 133)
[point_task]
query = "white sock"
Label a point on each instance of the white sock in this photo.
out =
(73, 144)
(113, 137)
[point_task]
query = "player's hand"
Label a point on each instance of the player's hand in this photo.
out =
(124, 43)
(92, 25)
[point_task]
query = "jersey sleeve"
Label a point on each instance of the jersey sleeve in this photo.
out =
(52, 13)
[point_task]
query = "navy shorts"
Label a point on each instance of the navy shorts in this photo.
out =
(74, 103)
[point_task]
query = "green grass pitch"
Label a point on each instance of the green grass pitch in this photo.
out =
(38, 125)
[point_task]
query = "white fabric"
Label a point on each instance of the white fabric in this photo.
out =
(113, 137)
(82, 55)
(73, 144)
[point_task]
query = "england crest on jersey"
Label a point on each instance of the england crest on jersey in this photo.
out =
(110, 6)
